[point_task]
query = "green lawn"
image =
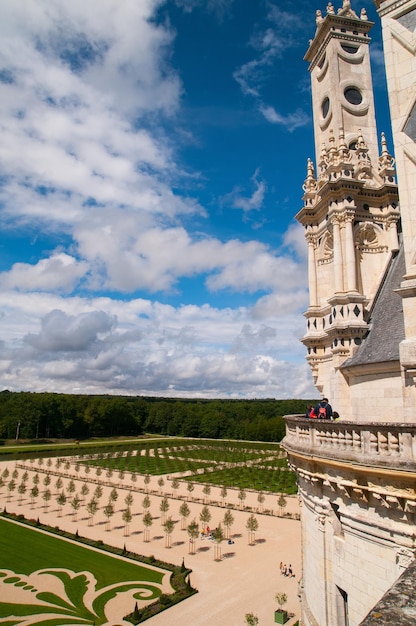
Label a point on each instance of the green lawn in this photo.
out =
(240, 464)
(87, 579)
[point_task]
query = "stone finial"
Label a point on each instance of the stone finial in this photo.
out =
(330, 9)
(364, 15)
(347, 10)
(346, 6)
(361, 144)
(343, 151)
(324, 154)
(386, 161)
(332, 152)
(310, 181)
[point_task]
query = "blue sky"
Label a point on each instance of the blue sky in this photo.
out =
(152, 157)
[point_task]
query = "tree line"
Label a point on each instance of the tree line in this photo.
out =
(36, 416)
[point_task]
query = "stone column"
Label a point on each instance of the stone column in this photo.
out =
(393, 237)
(313, 295)
(338, 273)
(350, 254)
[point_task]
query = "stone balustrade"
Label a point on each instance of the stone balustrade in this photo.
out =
(371, 444)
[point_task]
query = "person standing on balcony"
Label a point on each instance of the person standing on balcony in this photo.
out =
(323, 410)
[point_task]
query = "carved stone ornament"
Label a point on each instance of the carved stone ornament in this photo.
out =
(404, 556)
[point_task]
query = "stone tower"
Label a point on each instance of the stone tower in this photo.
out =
(350, 210)
(356, 475)
(399, 38)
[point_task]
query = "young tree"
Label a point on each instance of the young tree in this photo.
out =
(184, 512)
(146, 504)
(133, 478)
(281, 503)
(35, 479)
(228, 521)
(71, 487)
(25, 477)
(85, 489)
(281, 599)
(223, 494)
(128, 500)
(205, 517)
(75, 503)
(47, 480)
(15, 474)
(46, 497)
(147, 522)
(218, 535)
(114, 495)
(49, 463)
(168, 526)
(190, 487)
(61, 500)
(175, 485)
(21, 491)
(126, 517)
(108, 512)
(193, 532)
(98, 471)
(109, 472)
(252, 526)
(58, 484)
(92, 507)
(206, 491)
(242, 496)
(98, 492)
(251, 619)
(260, 499)
(34, 492)
(11, 487)
(160, 482)
(164, 508)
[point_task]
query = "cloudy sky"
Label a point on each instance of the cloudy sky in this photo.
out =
(152, 155)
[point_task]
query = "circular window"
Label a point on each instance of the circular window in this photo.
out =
(325, 107)
(349, 49)
(353, 95)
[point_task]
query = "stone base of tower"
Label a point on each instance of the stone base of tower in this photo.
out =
(356, 483)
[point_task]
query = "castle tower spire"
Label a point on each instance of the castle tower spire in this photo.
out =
(342, 91)
(350, 210)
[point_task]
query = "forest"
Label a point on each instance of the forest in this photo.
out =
(45, 416)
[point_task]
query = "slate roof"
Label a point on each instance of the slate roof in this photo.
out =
(386, 320)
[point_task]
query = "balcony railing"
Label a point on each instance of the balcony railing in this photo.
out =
(372, 443)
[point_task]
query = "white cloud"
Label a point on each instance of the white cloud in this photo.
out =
(85, 160)
(139, 347)
(60, 332)
(237, 200)
(270, 44)
(59, 272)
(292, 121)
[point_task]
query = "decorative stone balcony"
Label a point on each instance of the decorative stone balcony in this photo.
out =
(372, 444)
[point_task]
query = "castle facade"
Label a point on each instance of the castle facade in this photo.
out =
(356, 475)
